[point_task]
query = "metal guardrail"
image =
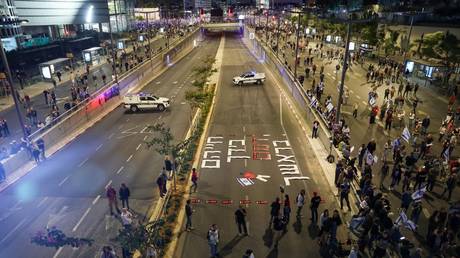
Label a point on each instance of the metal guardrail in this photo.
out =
(105, 98)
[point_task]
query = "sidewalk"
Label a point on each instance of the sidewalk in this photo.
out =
(431, 103)
(62, 91)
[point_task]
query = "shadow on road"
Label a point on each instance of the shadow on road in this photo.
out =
(268, 237)
(227, 249)
(297, 226)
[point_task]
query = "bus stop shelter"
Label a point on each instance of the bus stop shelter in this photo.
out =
(49, 68)
(92, 55)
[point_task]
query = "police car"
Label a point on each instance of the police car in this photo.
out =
(142, 101)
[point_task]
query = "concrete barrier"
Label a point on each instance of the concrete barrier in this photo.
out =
(102, 102)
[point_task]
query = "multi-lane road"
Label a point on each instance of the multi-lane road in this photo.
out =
(254, 145)
(68, 190)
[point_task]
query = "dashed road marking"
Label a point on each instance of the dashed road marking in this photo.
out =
(107, 185)
(13, 230)
(120, 169)
(358, 97)
(145, 137)
(63, 181)
(157, 83)
(57, 252)
(98, 147)
(110, 136)
(364, 102)
(83, 162)
(130, 157)
(139, 146)
(81, 219)
(96, 199)
(42, 202)
(174, 82)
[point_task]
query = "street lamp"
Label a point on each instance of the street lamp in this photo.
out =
(10, 78)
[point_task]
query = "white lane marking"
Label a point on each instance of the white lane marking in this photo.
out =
(183, 103)
(145, 137)
(83, 162)
(120, 169)
(81, 219)
(100, 146)
(42, 202)
(130, 157)
(358, 97)
(157, 83)
(244, 129)
(174, 82)
(13, 230)
(57, 252)
(63, 181)
(139, 146)
(110, 136)
(245, 162)
(364, 102)
(107, 185)
(96, 199)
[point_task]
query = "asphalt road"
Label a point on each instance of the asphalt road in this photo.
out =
(62, 96)
(252, 115)
(68, 190)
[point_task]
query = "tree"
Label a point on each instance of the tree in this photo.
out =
(428, 44)
(163, 142)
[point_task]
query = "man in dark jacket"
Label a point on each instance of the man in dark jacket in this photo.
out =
(314, 204)
(240, 218)
(124, 195)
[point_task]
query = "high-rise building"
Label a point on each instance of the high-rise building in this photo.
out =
(8, 15)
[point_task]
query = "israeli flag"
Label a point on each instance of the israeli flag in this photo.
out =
(406, 135)
(403, 220)
(418, 195)
(446, 154)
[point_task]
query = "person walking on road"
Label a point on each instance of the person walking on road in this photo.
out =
(213, 240)
(300, 201)
(126, 218)
(249, 254)
(124, 195)
(188, 213)
(314, 204)
(344, 192)
(240, 219)
(287, 209)
(450, 186)
(315, 129)
(112, 197)
(275, 209)
(161, 182)
(194, 181)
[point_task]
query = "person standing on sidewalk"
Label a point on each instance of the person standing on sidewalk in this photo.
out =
(112, 198)
(300, 201)
(194, 181)
(168, 166)
(287, 209)
(45, 94)
(188, 212)
(124, 195)
(240, 219)
(314, 204)
(213, 240)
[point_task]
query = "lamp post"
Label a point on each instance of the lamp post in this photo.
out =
(10, 79)
(113, 51)
(344, 71)
(266, 28)
(296, 46)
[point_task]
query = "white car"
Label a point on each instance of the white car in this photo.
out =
(250, 77)
(136, 102)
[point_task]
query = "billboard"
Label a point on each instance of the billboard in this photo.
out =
(52, 12)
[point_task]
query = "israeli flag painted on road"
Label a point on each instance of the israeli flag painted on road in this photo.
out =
(406, 134)
(417, 195)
